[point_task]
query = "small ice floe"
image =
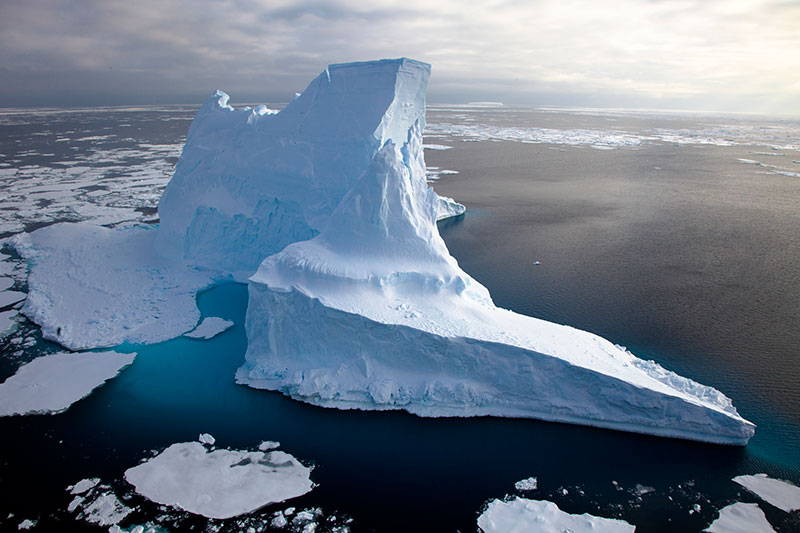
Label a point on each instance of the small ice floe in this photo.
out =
(8, 298)
(83, 485)
(521, 515)
(537, 262)
(268, 445)
(219, 483)
(26, 524)
(436, 147)
(741, 518)
(105, 510)
(695, 508)
(527, 484)
(448, 172)
(6, 283)
(210, 327)
(7, 323)
(782, 494)
(207, 438)
(52, 383)
(641, 490)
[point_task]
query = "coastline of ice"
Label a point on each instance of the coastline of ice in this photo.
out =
(52, 383)
(220, 483)
(740, 518)
(782, 494)
(538, 516)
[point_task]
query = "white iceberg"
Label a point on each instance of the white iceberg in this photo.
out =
(538, 516)
(374, 313)
(741, 518)
(50, 384)
(782, 494)
(219, 483)
(209, 328)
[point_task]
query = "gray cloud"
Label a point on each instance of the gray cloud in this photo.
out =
(733, 55)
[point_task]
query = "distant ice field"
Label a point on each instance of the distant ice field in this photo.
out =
(675, 235)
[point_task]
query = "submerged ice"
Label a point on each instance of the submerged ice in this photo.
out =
(355, 301)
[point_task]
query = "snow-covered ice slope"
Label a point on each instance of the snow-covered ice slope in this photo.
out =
(248, 182)
(374, 312)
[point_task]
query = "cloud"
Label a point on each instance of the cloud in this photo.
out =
(740, 53)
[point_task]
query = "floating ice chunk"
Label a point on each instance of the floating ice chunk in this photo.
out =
(11, 297)
(105, 510)
(26, 524)
(207, 438)
(527, 484)
(83, 485)
(219, 483)
(210, 327)
(741, 518)
(447, 208)
(278, 520)
(436, 147)
(7, 323)
(538, 516)
(641, 490)
(268, 445)
(6, 283)
(782, 494)
(50, 384)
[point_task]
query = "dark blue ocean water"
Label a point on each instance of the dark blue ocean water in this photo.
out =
(677, 250)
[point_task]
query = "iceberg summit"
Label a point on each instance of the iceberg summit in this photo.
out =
(354, 300)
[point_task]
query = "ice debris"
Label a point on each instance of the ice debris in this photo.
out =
(527, 484)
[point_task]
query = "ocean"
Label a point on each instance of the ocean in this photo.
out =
(675, 235)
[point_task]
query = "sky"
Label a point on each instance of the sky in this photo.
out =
(731, 55)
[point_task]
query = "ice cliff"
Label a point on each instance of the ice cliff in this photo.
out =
(374, 313)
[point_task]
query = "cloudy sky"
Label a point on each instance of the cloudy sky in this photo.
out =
(728, 55)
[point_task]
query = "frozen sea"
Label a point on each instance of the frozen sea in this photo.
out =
(675, 235)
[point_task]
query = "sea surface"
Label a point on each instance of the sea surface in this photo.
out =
(675, 235)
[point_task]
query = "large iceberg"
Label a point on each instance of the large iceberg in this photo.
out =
(374, 313)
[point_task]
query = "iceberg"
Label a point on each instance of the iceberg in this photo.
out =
(354, 299)
(374, 313)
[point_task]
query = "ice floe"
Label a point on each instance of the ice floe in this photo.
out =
(209, 328)
(782, 494)
(52, 383)
(538, 516)
(527, 484)
(84, 485)
(8, 298)
(7, 323)
(741, 518)
(220, 483)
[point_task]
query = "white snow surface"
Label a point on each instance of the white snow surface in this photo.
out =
(219, 483)
(209, 328)
(91, 286)
(538, 516)
(374, 313)
(741, 518)
(782, 494)
(52, 383)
